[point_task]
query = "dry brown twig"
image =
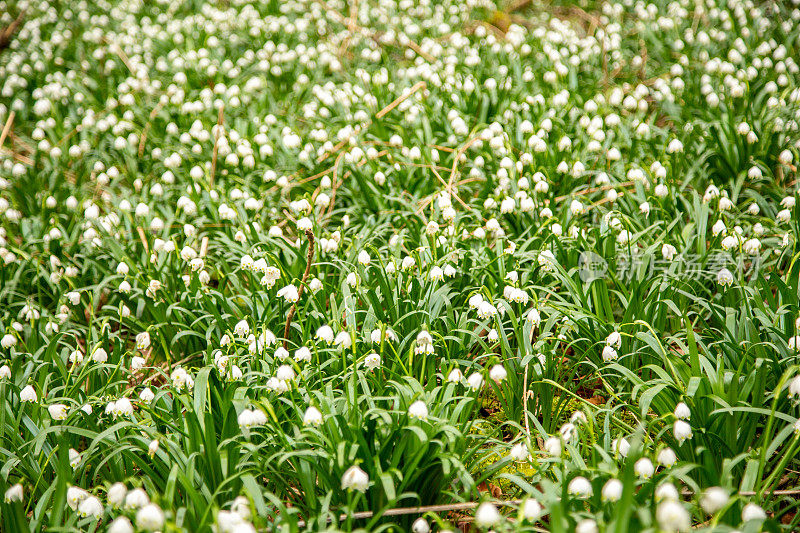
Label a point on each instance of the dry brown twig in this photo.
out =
(217, 135)
(309, 260)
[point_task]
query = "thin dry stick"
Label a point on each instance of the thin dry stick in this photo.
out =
(7, 128)
(399, 511)
(220, 118)
(147, 126)
(309, 260)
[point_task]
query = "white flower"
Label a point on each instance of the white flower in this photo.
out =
(343, 340)
(58, 411)
(146, 395)
(363, 258)
(152, 448)
(303, 354)
(475, 381)
(580, 487)
(312, 417)
(418, 410)
(487, 515)
(420, 525)
(751, 246)
(609, 354)
(587, 525)
(498, 373)
(672, 516)
(714, 499)
(116, 494)
(355, 479)
(99, 355)
(553, 446)
(5, 372)
(14, 494)
(28, 394)
(533, 317)
(74, 458)
(682, 412)
(612, 490)
(120, 525)
(150, 517)
(532, 510)
(752, 511)
(241, 329)
(325, 333)
(8, 341)
(547, 261)
(91, 506)
(372, 361)
(644, 468)
(682, 431)
(667, 457)
(75, 495)
(621, 446)
(519, 452)
(455, 376)
(725, 277)
(666, 491)
(289, 293)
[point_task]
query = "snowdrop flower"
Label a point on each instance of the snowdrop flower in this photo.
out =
(58, 411)
(312, 417)
(533, 317)
(532, 510)
(116, 494)
(75, 495)
(455, 376)
(580, 487)
(150, 517)
(725, 277)
(587, 525)
(146, 395)
(751, 246)
(343, 340)
(13, 494)
(120, 525)
(91, 506)
(519, 452)
(99, 355)
(475, 381)
(487, 515)
(666, 491)
(325, 334)
(355, 479)
(752, 511)
(74, 458)
(498, 373)
(714, 499)
(621, 446)
(418, 410)
(5, 372)
(28, 394)
(420, 525)
(667, 457)
(289, 293)
(8, 341)
(614, 339)
(682, 431)
(372, 361)
(609, 354)
(553, 446)
(682, 412)
(612, 490)
(547, 261)
(142, 340)
(644, 468)
(672, 516)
